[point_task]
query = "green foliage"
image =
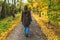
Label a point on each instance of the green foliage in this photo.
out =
(1, 2)
(7, 22)
(55, 7)
(54, 16)
(4, 24)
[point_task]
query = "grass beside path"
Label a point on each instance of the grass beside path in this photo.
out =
(48, 32)
(7, 25)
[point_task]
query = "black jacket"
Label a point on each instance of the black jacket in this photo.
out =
(26, 17)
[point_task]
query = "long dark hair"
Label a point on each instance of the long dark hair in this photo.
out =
(25, 7)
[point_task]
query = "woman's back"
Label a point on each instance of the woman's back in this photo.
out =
(26, 16)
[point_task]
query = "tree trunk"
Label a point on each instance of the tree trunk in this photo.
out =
(3, 12)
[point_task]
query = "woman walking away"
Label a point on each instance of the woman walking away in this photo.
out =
(26, 19)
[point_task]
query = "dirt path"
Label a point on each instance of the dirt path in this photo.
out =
(35, 32)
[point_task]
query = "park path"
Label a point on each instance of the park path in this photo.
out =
(35, 32)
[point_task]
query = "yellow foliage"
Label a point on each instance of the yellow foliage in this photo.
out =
(56, 1)
(48, 32)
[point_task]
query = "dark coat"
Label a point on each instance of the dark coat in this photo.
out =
(26, 18)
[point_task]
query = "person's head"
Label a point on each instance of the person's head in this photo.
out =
(25, 7)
